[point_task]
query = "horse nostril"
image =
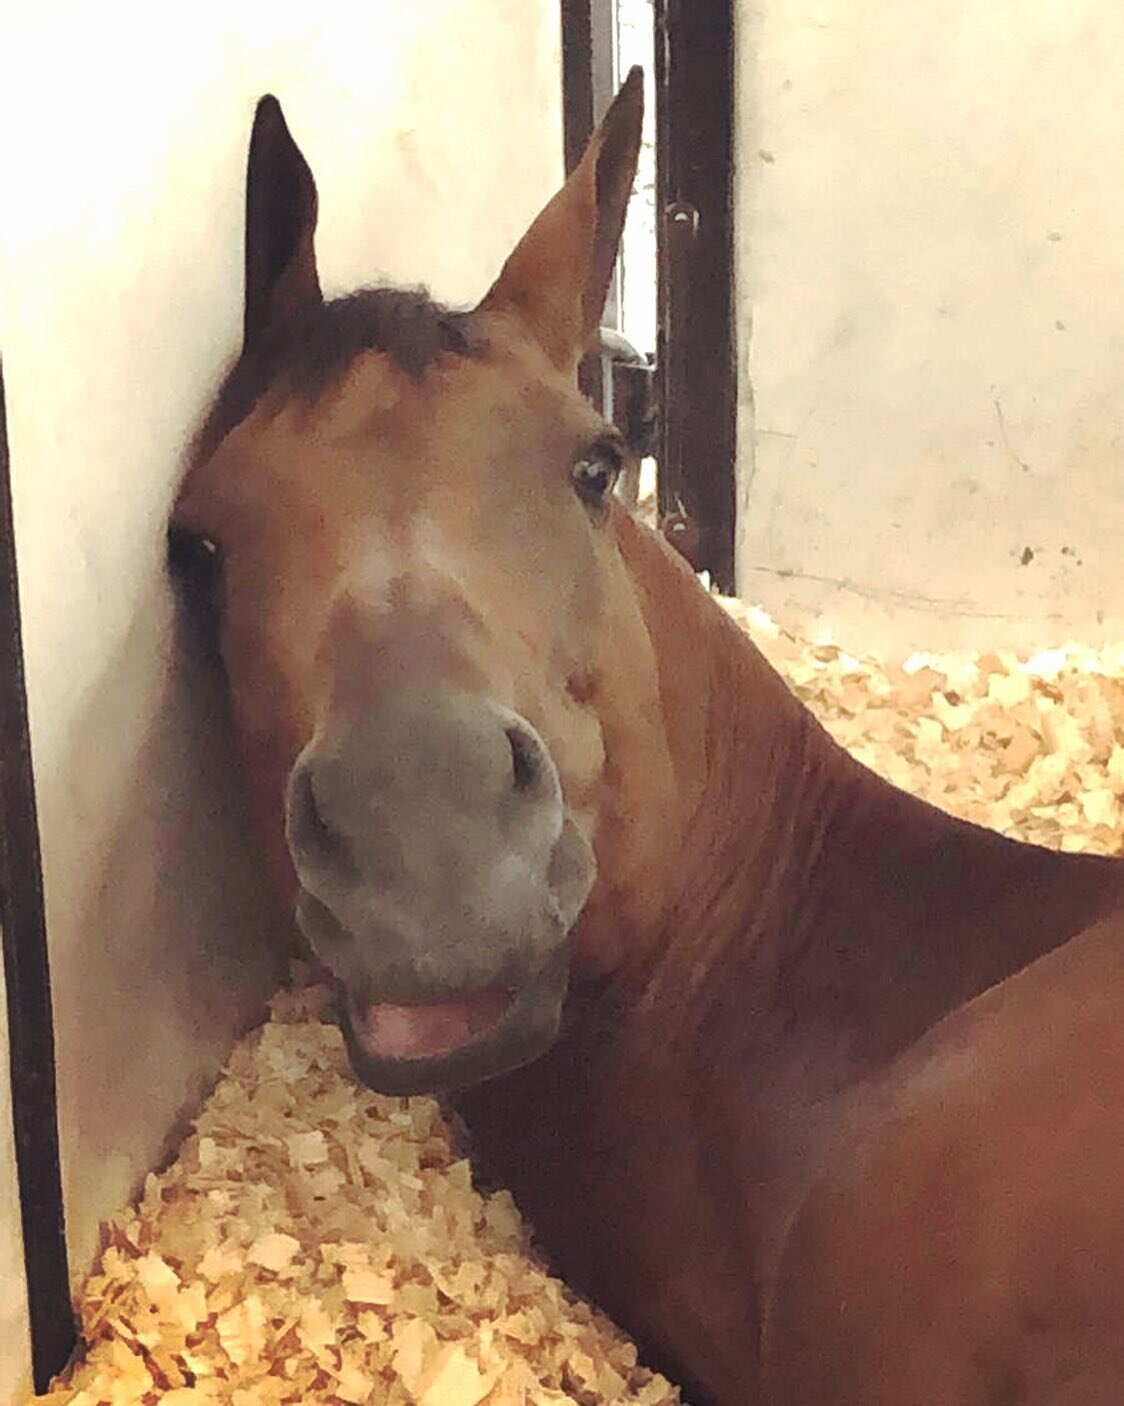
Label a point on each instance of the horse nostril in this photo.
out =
(309, 832)
(526, 762)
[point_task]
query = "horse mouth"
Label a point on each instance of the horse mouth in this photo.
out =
(429, 1031)
(434, 1047)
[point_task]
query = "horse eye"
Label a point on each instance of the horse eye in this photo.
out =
(595, 474)
(196, 564)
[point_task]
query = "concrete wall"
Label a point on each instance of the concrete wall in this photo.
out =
(434, 130)
(932, 264)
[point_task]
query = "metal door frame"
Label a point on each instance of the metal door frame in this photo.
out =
(27, 980)
(696, 349)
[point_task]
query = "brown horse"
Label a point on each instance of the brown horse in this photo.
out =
(817, 1090)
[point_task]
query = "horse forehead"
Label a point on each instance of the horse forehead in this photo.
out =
(375, 400)
(385, 458)
(372, 406)
(406, 562)
(381, 440)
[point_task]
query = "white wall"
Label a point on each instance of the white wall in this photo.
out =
(932, 263)
(434, 131)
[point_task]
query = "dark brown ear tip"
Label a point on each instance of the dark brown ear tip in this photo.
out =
(268, 114)
(630, 95)
(271, 140)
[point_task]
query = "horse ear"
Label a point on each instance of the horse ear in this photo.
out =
(558, 275)
(281, 276)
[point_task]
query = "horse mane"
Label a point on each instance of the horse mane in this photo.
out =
(315, 347)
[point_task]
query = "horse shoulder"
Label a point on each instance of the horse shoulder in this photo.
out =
(962, 1239)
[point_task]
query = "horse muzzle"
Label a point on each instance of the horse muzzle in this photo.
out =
(440, 876)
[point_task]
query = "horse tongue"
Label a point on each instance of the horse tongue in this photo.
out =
(424, 1032)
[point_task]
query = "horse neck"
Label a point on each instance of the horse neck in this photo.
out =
(810, 920)
(755, 775)
(809, 895)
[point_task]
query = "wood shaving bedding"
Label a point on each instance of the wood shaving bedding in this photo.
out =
(1032, 747)
(316, 1242)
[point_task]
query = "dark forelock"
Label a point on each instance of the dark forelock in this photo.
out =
(310, 351)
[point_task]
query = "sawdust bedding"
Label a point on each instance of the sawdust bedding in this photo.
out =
(1032, 746)
(315, 1242)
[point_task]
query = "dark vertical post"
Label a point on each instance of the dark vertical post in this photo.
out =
(695, 355)
(606, 76)
(27, 981)
(589, 70)
(588, 81)
(577, 79)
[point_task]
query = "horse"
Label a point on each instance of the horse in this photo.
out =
(817, 1090)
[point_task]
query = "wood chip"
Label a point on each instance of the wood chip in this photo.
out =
(1031, 745)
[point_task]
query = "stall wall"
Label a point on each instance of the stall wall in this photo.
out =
(932, 318)
(434, 130)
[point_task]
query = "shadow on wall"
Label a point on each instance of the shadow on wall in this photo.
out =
(177, 939)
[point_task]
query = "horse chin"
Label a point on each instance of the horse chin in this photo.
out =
(458, 1041)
